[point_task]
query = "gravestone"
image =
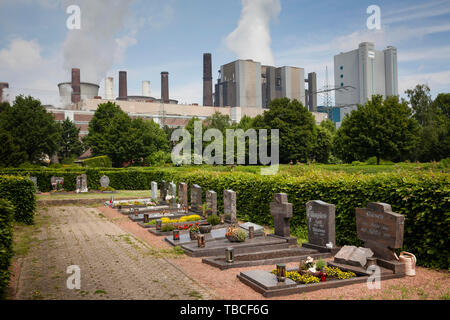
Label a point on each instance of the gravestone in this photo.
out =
(196, 199)
(57, 183)
(258, 230)
(104, 182)
(36, 189)
(81, 183)
(229, 206)
(281, 210)
(353, 256)
(154, 191)
(380, 229)
(183, 194)
(163, 192)
(172, 195)
(320, 218)
(211, 202)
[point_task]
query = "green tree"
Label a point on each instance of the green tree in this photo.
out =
(380, 128)
(296, 125)
(322, 144)
(10, 153)
(70, 145)
(31, 128)
(420, 101)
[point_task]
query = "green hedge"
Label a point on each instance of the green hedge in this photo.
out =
(6, 243)
(20, 192)
(97, 162)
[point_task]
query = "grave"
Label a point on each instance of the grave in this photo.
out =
(163, 192)
(320, 217)
(57, 183)
(281, 211)
(183, 195)
(172, 197)
(229, 206)
(81, 186)
(196, 199)
(104, 182)
(211, 202)
(154, 191)
(36, 189)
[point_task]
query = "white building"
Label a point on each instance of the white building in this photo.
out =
(367, 72)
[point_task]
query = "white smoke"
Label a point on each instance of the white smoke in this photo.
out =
(94, 48)
(251, 39)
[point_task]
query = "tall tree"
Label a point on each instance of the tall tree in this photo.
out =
(380, 128)
(70, 144)
(31, 128)
(420, 101)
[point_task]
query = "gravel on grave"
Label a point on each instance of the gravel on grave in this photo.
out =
(427, 284)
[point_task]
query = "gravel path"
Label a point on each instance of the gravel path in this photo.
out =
(113, 263)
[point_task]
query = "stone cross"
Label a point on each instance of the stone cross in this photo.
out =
(281, 210)
(163, 192)
(173, 195)
(211, 201)
(321, 223)
(36, 189)
(57, 183)
(104, 181)
(183, 194)
(380, 229)
(229, 206)
(154, 191)
(196, 199)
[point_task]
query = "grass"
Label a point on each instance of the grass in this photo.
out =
(121, 194)
(195, 294)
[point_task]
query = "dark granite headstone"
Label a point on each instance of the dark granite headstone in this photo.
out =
(211, 202)
(196, 199)
(321, 223)
(281, 210)
(183, 194)
(229, 206)
(380, 229)
(163, 192)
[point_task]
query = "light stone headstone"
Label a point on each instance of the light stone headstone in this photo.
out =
(354, 256)
(154, 191)
(36, 189)
(229, 206)
(281, 210)
(104, 181)
(380, 229)
(183, 194)
(196, 199)
(321, 223)
(81, 183)
(211, 202)
(173, 195)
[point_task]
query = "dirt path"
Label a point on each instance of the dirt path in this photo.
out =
(113, 263)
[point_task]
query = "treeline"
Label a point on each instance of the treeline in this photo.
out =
(392, 129)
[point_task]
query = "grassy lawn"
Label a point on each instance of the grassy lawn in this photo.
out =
(121, 194)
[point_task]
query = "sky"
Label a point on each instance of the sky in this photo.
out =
(145, 37)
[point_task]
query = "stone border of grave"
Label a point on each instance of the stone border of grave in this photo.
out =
(271, 257)
(267, 284)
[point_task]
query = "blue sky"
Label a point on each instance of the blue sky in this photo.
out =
(146, 37)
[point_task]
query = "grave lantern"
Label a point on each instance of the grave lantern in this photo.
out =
(281, 272)
(251, 232)
(201, 241)
(229, 254)
(222, 219)
(176, 234)
(158, 224)
(146, 218)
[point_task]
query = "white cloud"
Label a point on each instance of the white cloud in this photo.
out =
(421, 11)
(437, 81)
(21, 55)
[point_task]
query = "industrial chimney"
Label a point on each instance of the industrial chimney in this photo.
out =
(165, 87)
(3, 85)
(312, 92)
(76, 85)
(146, 88)
(123, 85)
(109, 88)
(207, 80)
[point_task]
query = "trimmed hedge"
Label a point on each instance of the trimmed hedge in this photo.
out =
(20, 192)
(423, 197)
(97, 162)
(6, 243)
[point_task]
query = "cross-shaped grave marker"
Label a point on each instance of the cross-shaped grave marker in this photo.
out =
(281, 210)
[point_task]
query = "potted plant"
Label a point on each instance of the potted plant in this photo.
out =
(205, 227)
(235, 234)
(193, 231)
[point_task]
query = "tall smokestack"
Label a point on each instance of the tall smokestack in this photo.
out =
(123, 93)
(109, 88)
(76, 86)
(146, 88)
(312, 89)
(165, 87)
(207, 80)
(3, 85)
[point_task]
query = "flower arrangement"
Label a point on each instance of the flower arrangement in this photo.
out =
(236, 234)
(300, 278)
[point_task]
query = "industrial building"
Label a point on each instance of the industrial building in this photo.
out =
(366, 72)
(250, 84)
(3, 88)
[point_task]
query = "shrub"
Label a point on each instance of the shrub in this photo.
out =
(213, 219)
(97, 162)
(6, 242)
(20, 192)
(167, 227)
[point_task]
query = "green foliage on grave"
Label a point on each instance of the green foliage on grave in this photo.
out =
(6, 243)
(20, 192)
(97, 162)
(213, 219)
